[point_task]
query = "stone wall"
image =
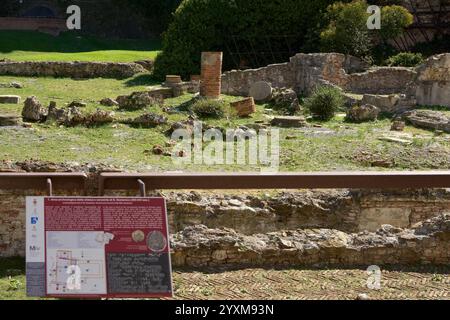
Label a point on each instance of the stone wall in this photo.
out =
(382, 80)
(348, 211)
(426, 243)
(296, 227)
(305, 71)
(76, 69)
(47, 25)
(432, 84)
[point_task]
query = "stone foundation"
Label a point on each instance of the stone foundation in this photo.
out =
(294, 227)
(427, 243)
(77, 70)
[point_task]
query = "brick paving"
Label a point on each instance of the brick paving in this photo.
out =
(300, 284)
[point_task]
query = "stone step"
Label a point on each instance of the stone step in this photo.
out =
(10, 120)
(9, 99)
(289, 122)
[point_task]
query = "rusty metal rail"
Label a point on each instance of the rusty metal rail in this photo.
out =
(311, 180)
(43, 181)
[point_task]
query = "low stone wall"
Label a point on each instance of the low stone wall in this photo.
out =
(383, 80)
(427, 243)
(328, 226)
(76, 69)
(432, 85)
(344, 210)
(428, 82)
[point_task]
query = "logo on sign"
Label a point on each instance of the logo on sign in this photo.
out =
(34, 220)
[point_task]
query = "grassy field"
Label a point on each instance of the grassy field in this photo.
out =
(36, 46)
(397, 282)
(334, 145)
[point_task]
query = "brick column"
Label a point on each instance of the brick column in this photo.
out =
(211, 75)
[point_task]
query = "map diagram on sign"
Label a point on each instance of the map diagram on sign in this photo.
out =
(76, 270)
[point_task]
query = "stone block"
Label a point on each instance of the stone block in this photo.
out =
(9, 120)
(372, 218)
(4, 99)
(261, 91)
(289, 122)
(244, 107)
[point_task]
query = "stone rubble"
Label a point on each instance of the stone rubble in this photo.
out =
(147, 120)
(286, 100)
(365, 112)
(428, 119)
(138, 100)
(108, 102)
(289, 122)
(33, 111)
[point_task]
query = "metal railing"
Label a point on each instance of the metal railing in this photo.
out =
(226, 181)
(310, 180)
(43, 181)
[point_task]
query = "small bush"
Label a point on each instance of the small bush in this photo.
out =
(405, 59)
(206, 108)
(324, 102)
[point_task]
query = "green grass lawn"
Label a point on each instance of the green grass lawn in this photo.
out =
(336, 145)
(36, 46)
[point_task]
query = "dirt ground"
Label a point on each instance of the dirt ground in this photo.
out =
(317, 284)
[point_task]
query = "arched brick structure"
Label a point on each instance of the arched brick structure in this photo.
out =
(41, 9)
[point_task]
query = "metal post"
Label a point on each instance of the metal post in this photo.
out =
(141, 187)
(49, 187)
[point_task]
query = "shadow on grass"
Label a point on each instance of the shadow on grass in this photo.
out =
(144, 79)
(69, 42)
(12, 266)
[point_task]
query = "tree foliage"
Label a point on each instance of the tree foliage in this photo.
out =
(347, 30)
(206, 25)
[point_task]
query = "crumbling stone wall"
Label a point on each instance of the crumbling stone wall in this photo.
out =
(346, 210)
(427, 243)
(382, 80)
(432, 83)
(305, 71)
(327, 226)
(76, 69)
(238, 83)
(343, 210)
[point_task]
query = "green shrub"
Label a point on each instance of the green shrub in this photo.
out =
(207, 108)
(394, 20)
(324, 102)
(405, 59)
(209, 25)
(347, 30)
